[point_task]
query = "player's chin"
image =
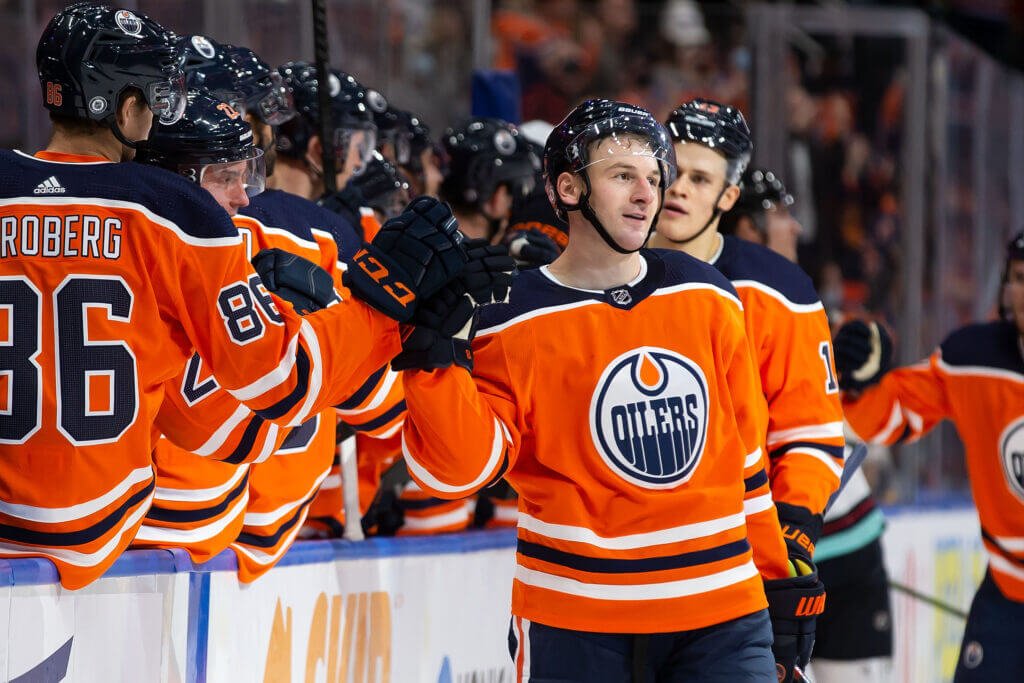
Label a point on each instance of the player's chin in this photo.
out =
(632, 237)
(674, 227)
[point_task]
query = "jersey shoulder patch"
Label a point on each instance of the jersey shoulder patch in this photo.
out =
(990, 344)
(749, 264)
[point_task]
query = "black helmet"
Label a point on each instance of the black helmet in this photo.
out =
(210, 135)
(238, 76)
(90, 54)
(718, 126)
(412, 139)
(483, 154)
(351, 110)
(761, 190)
(568, 150)
(1014, 252)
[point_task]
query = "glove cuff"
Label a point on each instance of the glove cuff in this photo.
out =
(801, 529)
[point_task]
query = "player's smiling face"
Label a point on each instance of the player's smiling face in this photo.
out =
(690, 200)
(625, 193)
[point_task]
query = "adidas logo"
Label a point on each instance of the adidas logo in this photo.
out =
(50, 186)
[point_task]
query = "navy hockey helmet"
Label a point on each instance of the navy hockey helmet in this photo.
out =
(720, 127)
(570, 145)
(483, 154)
(1014, 252)
(761, 190)
(351, 111)
(238, 76)
(89, 55)
(207, 143)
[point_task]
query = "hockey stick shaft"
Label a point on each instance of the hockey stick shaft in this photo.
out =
(322, 58)
(923, 597)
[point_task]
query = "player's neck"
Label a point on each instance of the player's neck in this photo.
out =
(589, 263)
(704, 247)
(292, 177)
(103, 144)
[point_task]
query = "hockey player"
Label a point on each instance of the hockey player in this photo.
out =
(355, 138)
(617, 394)
(785, 322)
(975, 378)
(489, 166)
(761, 214)
(202, 504)
(849, 551)
(422, 168)
(101, 312)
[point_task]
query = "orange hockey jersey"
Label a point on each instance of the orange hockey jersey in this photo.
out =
(202, 492)
(630, 423)
(111, 275)
(976, 379)
(792, 346)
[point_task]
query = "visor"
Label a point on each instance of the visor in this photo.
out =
(167, 99)
(628, 135)
(249, 174)
(365, 140)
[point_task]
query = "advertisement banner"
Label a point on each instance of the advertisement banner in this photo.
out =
(937, 553)
(434, 611)
(120, 628)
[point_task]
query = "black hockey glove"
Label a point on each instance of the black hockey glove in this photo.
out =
(413, 256)
(794, 605)
(801, 530)
(445, 323)
(345, 202)
(487, 277)
(863, 354)
(443, 333)
(300, 282)
(532, 248)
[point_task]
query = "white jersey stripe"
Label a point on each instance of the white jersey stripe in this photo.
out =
(168, 495)
(821, 456)
(71, 513)
(753, 506)
(50, 200)
(194, 534)
(268, 518)
(489, 470)
(274, 378)
(218, 438)
(687, 532)
(779, 296)
(650, 591)
(827, 430)
(83, 559)
(431, 522)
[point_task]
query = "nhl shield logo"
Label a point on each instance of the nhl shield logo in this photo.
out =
(649, 417)
(1011, 449)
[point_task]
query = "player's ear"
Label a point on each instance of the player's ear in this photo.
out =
(134, 118)
(569, 187)
(729, 197)
(314, 154)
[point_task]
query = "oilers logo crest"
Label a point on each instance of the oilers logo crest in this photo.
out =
(1011, 447)
(649, 417)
